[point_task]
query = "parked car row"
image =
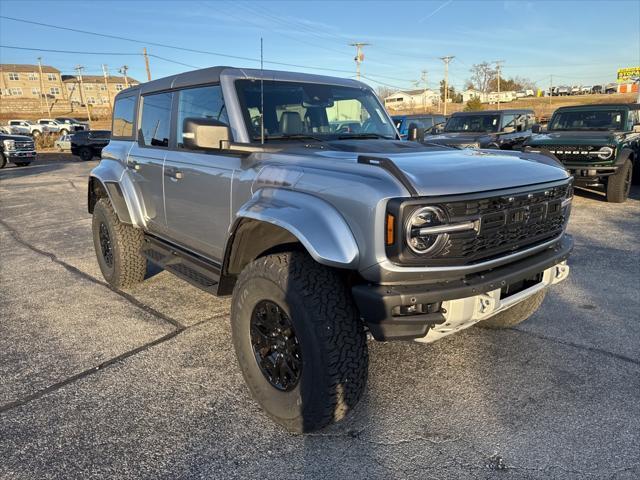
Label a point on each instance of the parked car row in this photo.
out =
(598, 144)
(564, 90)
(59, 125)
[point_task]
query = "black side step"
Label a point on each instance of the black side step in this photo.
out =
(196, 270)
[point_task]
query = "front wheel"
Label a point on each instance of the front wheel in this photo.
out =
(118, 247)
(619, 185)
(3, 161)
(299, 341)
(86, 154)
(516, 314)
(63, 132)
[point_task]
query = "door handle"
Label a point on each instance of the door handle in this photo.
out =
(173, 173)
(133, 164)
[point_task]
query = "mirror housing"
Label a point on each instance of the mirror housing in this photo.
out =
(204, 133)
(535, 128)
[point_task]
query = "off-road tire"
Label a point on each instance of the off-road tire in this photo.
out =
(22, 164)
(516, 314)
(85, 154)
(619, 185)
(3, 161)
(128, 265)
(331, 338)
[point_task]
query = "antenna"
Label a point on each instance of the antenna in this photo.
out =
(261, 94)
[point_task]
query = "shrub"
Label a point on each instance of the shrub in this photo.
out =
(473, 105)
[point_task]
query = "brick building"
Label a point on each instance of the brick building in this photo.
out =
(95, 91)
(25, 81)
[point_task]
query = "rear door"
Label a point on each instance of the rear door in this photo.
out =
(197, 183)
(146, 157)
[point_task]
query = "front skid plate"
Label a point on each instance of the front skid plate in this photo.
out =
(464, 312)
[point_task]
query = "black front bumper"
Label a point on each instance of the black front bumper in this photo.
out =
(377, 302)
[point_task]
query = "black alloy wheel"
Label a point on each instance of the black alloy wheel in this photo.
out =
(275, 346)
(106, 248)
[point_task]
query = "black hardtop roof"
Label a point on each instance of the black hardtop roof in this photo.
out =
(210, 75)
(630, 106)
(419, 115)
(493, 112)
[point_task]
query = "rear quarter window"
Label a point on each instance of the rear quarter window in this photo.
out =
(123, 117)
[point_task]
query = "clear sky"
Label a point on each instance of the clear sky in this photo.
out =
(578, 42)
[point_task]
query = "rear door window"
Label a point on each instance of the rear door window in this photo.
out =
(156, 119)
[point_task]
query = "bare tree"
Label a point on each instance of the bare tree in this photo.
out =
(383, 92)
(481, 76)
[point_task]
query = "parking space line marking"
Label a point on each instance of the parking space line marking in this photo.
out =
(130, 298)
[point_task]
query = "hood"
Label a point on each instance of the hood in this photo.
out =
(574, 137)
(446, 171)
(17, 138)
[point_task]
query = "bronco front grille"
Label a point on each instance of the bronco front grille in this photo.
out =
(573, 153)
(506, 224)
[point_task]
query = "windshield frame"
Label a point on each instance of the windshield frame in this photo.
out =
(310, 136)
(470, 114)
(624, 112)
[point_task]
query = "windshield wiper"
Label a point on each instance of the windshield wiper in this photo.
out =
(291, 136)
(363, 136)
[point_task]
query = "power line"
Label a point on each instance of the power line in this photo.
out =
(75, 52)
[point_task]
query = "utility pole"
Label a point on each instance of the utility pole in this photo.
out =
(42, 92)
(123, 71)
(146, 63)
(359, 58)
(105, 72)
(498, 68)
(446, 61)
(423, 77)
(550, 88)
(79, 69)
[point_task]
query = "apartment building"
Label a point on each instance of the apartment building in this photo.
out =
(27, 81)
(93, 89)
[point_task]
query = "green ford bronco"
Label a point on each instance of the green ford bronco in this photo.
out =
(598, 144)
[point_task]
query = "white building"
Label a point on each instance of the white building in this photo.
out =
(410, 99)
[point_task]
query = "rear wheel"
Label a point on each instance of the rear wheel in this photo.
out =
(619, 185)
(86, 154)
(118, 247)
(299, 341)
(516, 314)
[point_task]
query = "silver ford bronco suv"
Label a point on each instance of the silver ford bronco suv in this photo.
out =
(246, 183)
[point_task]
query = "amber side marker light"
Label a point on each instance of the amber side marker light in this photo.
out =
(390, 229)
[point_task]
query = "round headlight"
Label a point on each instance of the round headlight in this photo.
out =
(423, 218)
(605, 152)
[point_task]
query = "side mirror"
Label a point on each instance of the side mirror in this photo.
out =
(535, 128)
(509, 129)
(204, 133)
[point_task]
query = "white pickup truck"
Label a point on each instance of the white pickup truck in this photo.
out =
(35, 129)
(57, 126)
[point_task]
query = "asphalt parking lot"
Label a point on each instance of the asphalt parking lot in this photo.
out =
(96, 383)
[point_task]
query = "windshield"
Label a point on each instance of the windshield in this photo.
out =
(588, 120)
(297, 110)
(473, 123)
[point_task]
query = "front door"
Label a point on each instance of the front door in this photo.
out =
(197, 183)
(146, 158)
